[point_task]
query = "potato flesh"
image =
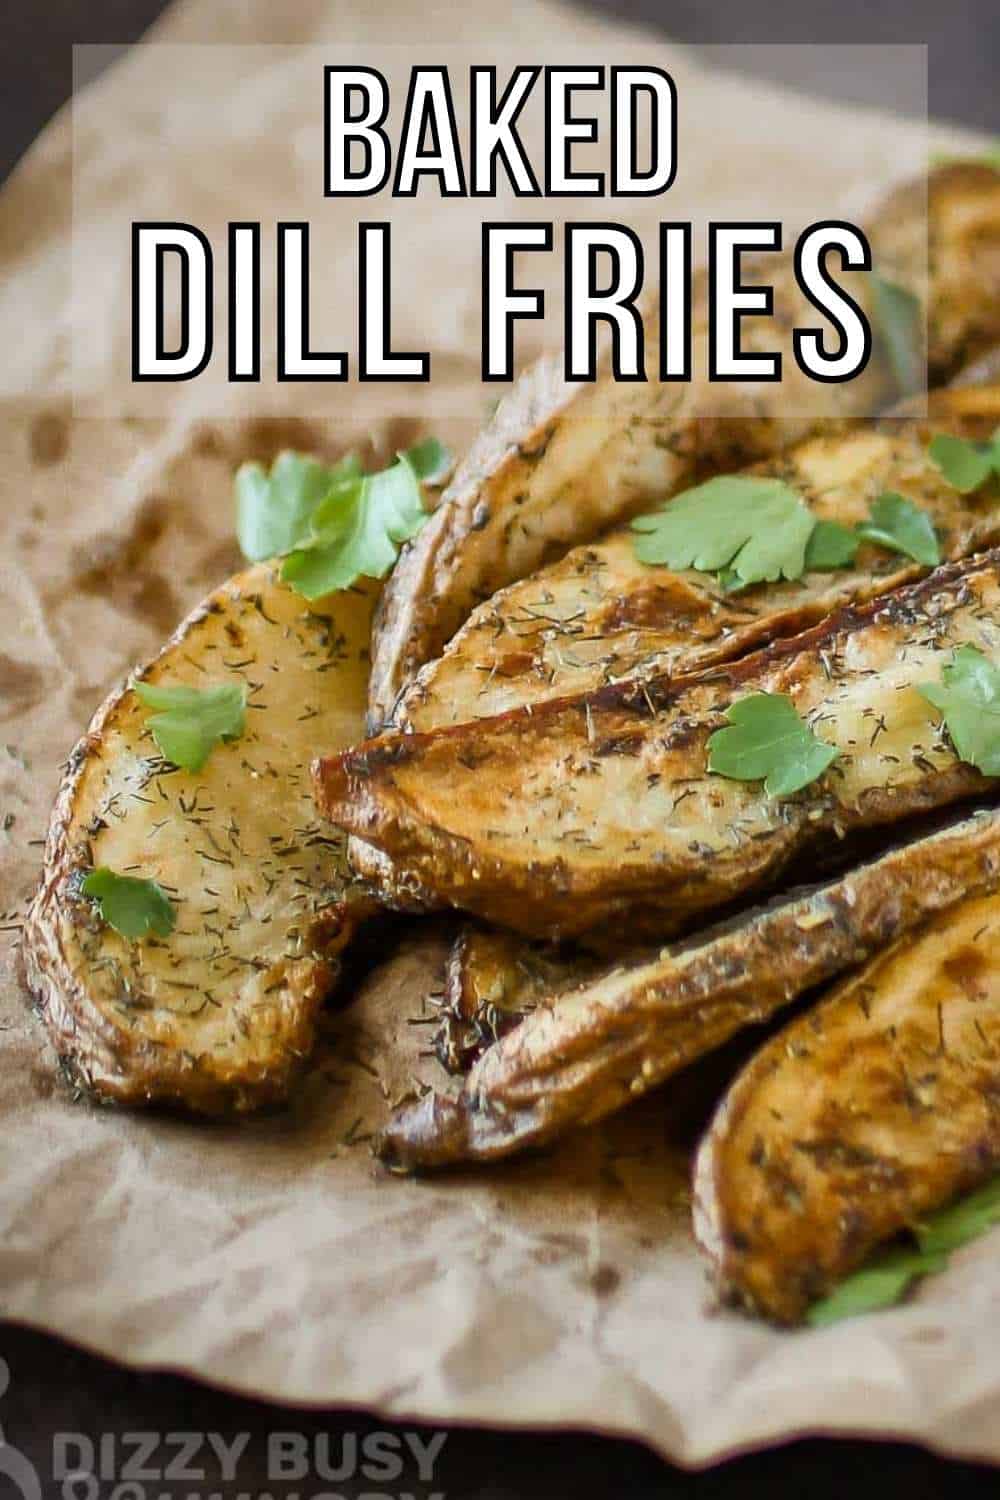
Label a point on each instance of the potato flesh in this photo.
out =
(865, 1115)
(555, 820)
(218, 1015)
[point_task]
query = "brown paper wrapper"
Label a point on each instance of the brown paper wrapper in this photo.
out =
(275, 1256)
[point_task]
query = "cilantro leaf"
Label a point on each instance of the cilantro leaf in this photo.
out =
(963, 1221)
(729, 580)
(273, 510)
(899, 326)
(357, 530)
(767, 740)
(132, 907)
(333, 525)
(189, 722)
(831, 546)
(900, 525)
(968, 699)
(965, 465)
(430, 460)
(990, 157)
(887, 1278)
(754, 527)
(881, 1284)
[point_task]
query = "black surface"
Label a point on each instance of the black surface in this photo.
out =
(56, 1388)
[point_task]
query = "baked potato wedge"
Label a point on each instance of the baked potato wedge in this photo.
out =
(560, 464)
(492, 980)
(590, 1048)
(599, 811)
(218, 1016)
(863, 1116)
(600, 615)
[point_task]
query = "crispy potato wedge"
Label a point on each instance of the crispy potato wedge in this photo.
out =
(493, 979)
(599, 811)
(599, 615)
(589, 1048)
(947, 231)
(219, 1016)
(560, 464)
(864, 1115)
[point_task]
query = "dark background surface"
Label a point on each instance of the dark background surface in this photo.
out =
(56, 1388)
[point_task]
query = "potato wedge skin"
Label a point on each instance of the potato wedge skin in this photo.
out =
(535, 485)
(592, 1046)
(492, 980)
(869, 1112)
(599, 615)
(601, 809)
(218, 1018)
(560, 464)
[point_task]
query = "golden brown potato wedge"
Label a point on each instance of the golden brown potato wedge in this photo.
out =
(863, 1116)
(599, 811)
(600, 615)
(560, 464)
(591, 1047)
(219, 1016)
(494, 979)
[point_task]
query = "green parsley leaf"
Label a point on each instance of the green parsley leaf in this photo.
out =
(189, 722)
(273, 510)
(899, 326)
(990, 157)
(753, 527)
(881, 1284)
(767, 740)
(964, 1221)
(965, 465)
(901, 526)
(335, 524)
(887, 1278)
(357, 531)
(430, 460)
(831, 546)
(968, 698)
(132, 907)
(729, 580)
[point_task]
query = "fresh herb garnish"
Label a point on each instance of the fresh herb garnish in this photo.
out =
(901, 526)
(881, 1284)
(750, 529)
(753, 528)
(965, 465)
(767, 740)
(831, 546)
(990, 157)
(729, 580)
(962, 1222)
(430, 460)
(887, 1279)
(898, 319)
(357, 530)
(132, 907)
(334, 525)
(273, 510)
(968, 699)
(189, 722)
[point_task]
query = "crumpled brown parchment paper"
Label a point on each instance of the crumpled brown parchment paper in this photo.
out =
(275, 1256)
